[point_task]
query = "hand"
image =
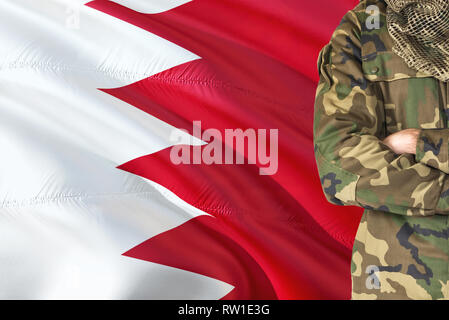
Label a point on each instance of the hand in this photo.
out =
(403, 141)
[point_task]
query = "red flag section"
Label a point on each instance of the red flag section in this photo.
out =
(270, 236)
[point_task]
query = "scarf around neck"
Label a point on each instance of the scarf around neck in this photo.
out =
(420, 30)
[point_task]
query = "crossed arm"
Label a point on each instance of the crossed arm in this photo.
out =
(356, 166)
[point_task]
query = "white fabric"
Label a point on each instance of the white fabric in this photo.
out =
(154, 6)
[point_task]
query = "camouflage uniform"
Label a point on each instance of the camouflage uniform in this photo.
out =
(365, 93)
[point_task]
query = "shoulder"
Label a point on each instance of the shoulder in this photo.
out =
(362, 38)
(371, 17)
(365, 19)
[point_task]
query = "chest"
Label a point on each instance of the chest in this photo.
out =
(407, 98)
(412, 102)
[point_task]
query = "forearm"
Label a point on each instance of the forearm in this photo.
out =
(430, 147)
(361, 170)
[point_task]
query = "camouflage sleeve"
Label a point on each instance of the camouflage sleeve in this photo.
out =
(354, 166)
(432, 148)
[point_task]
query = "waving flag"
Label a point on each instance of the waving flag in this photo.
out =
(91, 204)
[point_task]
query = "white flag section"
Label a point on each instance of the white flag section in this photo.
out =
(66, 213)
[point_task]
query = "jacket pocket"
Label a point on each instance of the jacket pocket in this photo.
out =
(410, 99)
(388, 66)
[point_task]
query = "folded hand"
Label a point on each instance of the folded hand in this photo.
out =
(403, 141)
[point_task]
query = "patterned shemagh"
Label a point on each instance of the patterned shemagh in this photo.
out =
(420, 30)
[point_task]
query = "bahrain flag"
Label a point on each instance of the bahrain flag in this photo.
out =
(98, 200)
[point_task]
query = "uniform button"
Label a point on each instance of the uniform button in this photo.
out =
(374, 69)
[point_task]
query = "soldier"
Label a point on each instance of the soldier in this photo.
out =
(381, 141)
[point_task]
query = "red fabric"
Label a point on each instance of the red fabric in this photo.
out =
(272, 236)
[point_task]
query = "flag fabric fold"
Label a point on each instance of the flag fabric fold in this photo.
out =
(92, 205)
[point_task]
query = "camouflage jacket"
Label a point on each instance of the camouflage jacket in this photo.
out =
(365, 93)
